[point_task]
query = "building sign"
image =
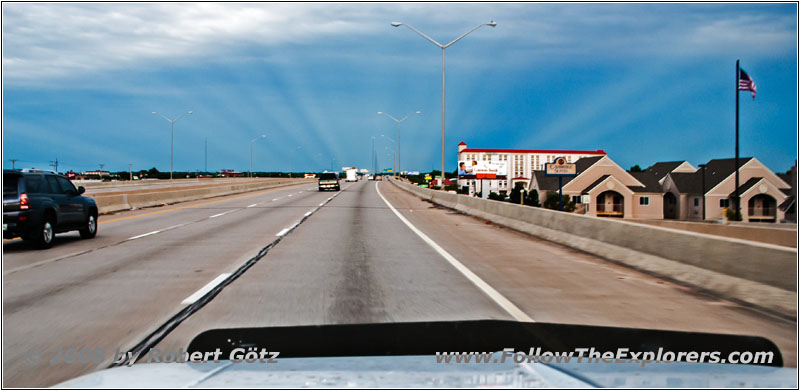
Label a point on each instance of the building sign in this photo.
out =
(560, 167)
(586, 199)
(484, 169)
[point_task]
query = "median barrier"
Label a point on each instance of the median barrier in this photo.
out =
(757, 273)
(118, 202)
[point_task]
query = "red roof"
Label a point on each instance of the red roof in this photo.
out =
(462, 143)
(519, 177)
(550, 151)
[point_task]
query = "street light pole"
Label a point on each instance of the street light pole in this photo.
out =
(171, 137)
(398, 133)
(443, 47)
(394, 157)
(251, 152)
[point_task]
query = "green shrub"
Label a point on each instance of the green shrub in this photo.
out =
(518, 193)
(552, 202)
(732, 215)
(532, 199)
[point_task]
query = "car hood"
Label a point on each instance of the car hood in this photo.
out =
(405, 355)
(425, 372)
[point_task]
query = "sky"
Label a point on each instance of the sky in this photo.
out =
(644, 82)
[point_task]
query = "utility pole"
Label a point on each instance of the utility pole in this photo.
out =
(54, 164)
(101, 166)
(205, 167)
(130, 172)
(736, 159)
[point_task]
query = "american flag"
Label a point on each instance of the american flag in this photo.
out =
(746, 83)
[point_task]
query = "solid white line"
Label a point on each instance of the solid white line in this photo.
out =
(289, 195)
(219, 214)
(143, 235)
(498, 298)
(173, 227)
(321, 204)
(275, 199)
(309, 213)
(283, 232)
(250, 206)
(207, 288)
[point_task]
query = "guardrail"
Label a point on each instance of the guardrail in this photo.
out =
(118, 202)
(757, 273)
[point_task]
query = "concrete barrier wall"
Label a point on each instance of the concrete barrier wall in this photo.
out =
(118, 202)
(764, 264)
(779, 234)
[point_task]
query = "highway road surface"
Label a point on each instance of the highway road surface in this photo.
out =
(369, 253)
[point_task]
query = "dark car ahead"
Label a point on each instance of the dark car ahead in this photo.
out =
(39, 204)
(328, 181)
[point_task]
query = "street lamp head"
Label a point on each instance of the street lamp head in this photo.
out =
(189, 112)
(154, 113)
(263, 136)
(492, 23)
(396, 24)
(380, 112)
(418, 112)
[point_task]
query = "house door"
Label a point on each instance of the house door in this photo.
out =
(670, 206)
(762, 208)
(610, 204)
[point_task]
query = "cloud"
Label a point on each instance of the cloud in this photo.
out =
(53, 40)
(50, 40)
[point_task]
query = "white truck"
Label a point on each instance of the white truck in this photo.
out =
(352, 175)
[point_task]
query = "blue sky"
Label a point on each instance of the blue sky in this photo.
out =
(644, 82)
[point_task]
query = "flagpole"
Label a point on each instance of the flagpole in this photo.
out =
(736, 192)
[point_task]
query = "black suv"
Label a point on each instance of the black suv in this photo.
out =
(38, 204)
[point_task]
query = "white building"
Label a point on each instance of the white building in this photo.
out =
(520, 163)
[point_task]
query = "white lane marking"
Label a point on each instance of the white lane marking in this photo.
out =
(207, 288)
(289, 195)
(275, 199)
(219, 214)
(250, 206)
(321, 204)
(309, 213)
(143, 235)
(173, 227)
(283, 232)
(498, 298)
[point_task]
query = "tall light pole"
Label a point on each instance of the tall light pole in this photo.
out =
(443, 47)
(372, 156)
(394, 158)
(398, 132)
(251, 152)
(171, 136)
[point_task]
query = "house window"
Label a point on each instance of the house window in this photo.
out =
(644, 200)
(696, 201)
(576, 199)
(724, 203)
